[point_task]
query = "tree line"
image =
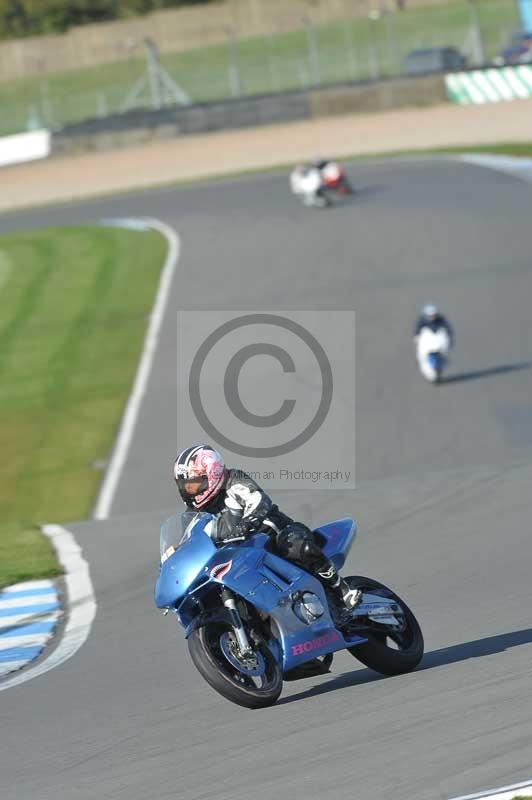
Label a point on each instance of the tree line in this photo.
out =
(34, 17)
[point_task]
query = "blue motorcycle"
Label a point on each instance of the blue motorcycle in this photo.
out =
(252, 619)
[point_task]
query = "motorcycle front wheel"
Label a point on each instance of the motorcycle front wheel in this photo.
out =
(388, 651)
(255, 682)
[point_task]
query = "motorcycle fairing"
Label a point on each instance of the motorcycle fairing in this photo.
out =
(339, 536)
(271, 585)
(177, 574)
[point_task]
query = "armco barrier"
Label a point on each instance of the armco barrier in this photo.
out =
(396, 93)
(136, 127)
(24, 147)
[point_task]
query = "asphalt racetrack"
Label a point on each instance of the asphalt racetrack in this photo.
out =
(443, 502)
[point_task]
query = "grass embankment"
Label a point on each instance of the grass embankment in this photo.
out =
(355, 49)
(518, 149)
(524, 150)
(74, 304)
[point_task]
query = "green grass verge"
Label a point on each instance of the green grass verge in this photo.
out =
(74, 305)
(355, 49)
(518, 149)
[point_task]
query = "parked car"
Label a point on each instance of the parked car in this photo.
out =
(517, 51)
(434, 59)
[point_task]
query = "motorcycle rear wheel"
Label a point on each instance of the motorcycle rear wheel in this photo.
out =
(205, 649)
(390, 652)
(347, 188)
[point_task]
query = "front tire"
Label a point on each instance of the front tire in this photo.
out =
(205, 649)
(389, 652)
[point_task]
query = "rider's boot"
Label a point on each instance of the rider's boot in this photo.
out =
(343, 599)
(340, 589)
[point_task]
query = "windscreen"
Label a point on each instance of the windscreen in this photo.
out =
(177, 530)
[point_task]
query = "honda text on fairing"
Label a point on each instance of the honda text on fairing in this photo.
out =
(252, 619)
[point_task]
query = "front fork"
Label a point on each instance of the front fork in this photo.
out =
(239, 630)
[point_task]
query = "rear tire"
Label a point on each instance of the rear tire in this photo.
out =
(404, 651)
(209, 660)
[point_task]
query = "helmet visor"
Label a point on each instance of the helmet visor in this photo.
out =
(193, 486)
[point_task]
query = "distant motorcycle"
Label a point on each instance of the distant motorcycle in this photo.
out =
(432, 351)
(252, 619)
(315, 183)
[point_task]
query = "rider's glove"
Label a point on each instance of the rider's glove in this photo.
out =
(249, 524)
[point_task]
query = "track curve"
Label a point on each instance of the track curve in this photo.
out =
(443, 503)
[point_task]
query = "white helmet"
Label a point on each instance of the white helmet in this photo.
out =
(429, 310)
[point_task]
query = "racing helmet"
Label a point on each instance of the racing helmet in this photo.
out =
(429, 311)
(199, 473)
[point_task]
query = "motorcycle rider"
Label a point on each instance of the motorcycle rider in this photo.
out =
(242, 507)
(332, 175)
(433, 319)
(306, 182)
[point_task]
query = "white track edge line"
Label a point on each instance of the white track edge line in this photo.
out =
(515, 166)
(129, 419)
(81, 608)
(494, 794)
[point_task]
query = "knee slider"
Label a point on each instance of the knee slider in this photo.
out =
(310, 551)
(294, 541)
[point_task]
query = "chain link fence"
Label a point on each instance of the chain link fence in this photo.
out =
(356, 49)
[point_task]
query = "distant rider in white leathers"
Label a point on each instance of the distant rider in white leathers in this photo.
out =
(306, 183)
(432, 334)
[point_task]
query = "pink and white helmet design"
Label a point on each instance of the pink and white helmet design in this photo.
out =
(201, 461)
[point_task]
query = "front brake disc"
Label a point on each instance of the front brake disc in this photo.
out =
(249, 665)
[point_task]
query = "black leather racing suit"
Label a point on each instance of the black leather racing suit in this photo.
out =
(242, 506)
